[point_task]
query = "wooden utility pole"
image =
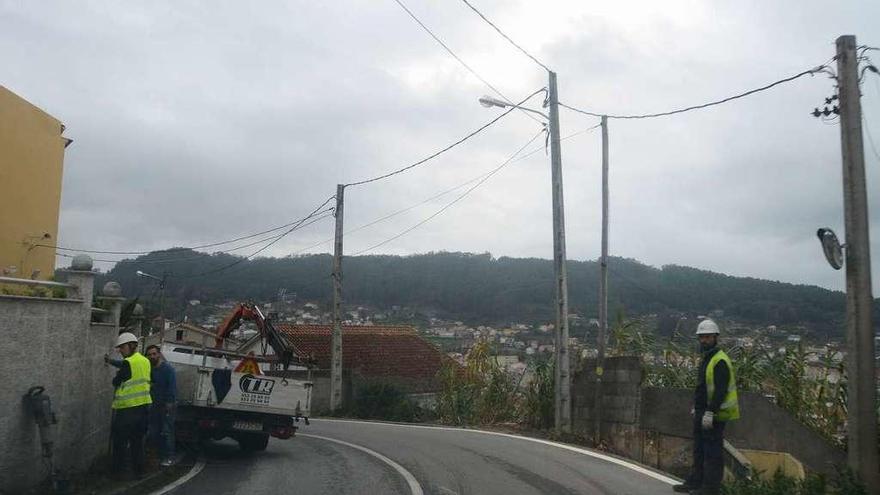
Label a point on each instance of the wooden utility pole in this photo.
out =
(603, 288)
(563, 384)
(861, 389)
(336, 344)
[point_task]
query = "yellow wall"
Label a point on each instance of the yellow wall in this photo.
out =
(31, 166)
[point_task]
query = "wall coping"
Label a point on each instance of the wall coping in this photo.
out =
(42, 283)
(34, 298)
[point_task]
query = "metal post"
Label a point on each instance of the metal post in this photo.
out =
(603, 289)
(563, 385)
(336, 350)
(162, 307)
(862, 417)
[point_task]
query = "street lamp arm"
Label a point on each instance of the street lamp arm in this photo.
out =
(489, 102)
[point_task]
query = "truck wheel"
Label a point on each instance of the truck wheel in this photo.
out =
(255, 442)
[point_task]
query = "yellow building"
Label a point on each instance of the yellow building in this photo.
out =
(31, 166)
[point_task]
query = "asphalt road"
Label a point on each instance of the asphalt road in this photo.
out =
(378, 458)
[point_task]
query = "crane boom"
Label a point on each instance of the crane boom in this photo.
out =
(285, 352)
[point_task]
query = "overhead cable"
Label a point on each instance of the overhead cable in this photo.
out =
(193, 248)
(444, 150)
(440, 194)
(810, 72)
(456, 200)
(459, 59)
(267, 246)
(514, 43)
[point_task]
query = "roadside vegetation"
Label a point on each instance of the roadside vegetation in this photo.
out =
(482, 392)
(819, 403)
(844, 483)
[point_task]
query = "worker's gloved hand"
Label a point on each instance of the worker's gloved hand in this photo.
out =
(708, 416)
(693, 411)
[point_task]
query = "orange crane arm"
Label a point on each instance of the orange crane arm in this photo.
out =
(233, 321)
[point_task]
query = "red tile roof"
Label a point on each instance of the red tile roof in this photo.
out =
(394, 353)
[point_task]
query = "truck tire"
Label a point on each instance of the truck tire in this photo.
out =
(253, 442)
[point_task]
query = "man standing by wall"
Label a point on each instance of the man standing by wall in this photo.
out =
(164, 394)
(715, 403)
(131, 403)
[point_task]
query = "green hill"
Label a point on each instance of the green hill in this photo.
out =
(480, 288)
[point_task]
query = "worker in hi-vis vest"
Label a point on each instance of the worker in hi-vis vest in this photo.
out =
(131, 404)
(715, 403)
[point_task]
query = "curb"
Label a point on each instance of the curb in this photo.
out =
(196, 469)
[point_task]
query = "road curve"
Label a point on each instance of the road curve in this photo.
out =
(384, 458)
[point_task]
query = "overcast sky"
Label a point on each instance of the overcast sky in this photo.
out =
(196, 122)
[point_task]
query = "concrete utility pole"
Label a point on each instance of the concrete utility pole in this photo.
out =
(603, 286)
(563, 384)
(861, 390)
(336, 349)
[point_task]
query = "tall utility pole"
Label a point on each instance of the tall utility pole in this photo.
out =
(603, 287)
(862, 417)
(563, 384)
(336, 345)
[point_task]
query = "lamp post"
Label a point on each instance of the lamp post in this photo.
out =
(161, 281)
(563, 385)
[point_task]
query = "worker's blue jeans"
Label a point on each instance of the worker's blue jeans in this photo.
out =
(162, 428)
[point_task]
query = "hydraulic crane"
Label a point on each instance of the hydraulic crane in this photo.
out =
(285, 352)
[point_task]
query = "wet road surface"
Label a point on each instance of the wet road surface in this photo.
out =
(382, 458)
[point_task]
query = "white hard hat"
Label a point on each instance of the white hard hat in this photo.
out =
(707, 327)
(126, 338)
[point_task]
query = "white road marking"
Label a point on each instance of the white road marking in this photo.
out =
(620, 462)
(196, 469)
(414, 485)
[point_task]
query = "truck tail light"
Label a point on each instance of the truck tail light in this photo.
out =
(208, 423)
(283, 432)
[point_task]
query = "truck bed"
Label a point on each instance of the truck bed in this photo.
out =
(205, 378)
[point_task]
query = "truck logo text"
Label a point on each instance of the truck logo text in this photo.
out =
(250, 384)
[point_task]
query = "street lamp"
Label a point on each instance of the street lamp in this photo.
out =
(562, 396)
(489, 102)
(161, 281)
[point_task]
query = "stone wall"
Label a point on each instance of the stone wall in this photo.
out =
(762, 426)
(620, 387)
(654, 426)
(52, 343)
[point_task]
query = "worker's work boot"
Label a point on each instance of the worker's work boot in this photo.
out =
(684, 488)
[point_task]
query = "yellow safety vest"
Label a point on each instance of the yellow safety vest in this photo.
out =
(135, 391)
(729, 409)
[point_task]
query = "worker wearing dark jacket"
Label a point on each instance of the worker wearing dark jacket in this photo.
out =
(131, 403)
(715, 403)
(163, 390)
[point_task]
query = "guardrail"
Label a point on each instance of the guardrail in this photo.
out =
(737, 463)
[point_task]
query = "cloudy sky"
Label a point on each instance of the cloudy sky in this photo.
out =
(195, 122)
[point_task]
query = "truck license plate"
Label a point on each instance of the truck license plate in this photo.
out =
(248, 425)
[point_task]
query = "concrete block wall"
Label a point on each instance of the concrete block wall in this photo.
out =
(51, 343)
(763, 426)
(621, 385)
(653, 425)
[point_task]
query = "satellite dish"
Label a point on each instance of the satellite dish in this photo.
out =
(831, 247)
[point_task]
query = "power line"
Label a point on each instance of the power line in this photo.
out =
(514, 43)
(267, 246)
(193, 248)
(453, 145)
(442, 193)
(460, 61)
(456, 200)
(326, 213)
(704, 105)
